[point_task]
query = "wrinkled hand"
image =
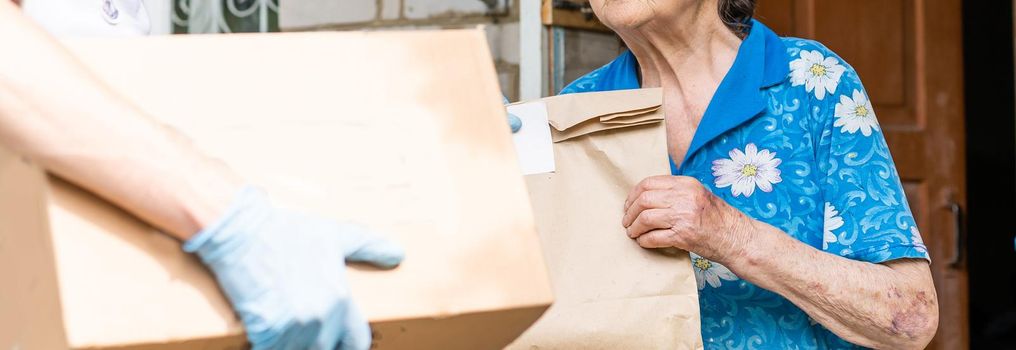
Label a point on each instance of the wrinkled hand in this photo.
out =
(677, 211)
(284, 273)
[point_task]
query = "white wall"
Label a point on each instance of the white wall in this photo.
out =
(499, 18)
(159, 12)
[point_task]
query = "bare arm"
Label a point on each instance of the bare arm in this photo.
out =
(56, 112)
(883, 306)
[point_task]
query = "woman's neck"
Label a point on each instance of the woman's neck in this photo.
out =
(692, 48)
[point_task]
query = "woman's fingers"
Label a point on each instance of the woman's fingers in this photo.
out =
(651, 183)
(657, 239)
(653, 199)
(650, 220)
(654, 207)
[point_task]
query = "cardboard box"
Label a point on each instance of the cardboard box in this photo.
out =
(404, 132)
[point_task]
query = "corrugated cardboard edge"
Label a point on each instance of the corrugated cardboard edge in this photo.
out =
(30, 313)
(400, 335)
(236, 342)
(387, 335)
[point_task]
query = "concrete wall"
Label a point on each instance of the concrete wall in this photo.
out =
(499, 19)
(582, 51)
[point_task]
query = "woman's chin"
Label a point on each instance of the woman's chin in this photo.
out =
(623, 14)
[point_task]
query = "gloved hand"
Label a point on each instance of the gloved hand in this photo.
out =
(514, 122)
(284, 273)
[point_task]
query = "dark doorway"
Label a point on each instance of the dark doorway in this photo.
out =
(991, 172)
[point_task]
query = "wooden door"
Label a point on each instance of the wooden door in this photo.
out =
(909, 55)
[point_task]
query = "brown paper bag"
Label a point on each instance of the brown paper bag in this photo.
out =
(610, 293)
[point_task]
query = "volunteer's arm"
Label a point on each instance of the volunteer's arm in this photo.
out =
(892, 305)
(284, 272)
(54, 111)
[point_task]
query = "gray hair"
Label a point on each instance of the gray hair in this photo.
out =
(736, 14)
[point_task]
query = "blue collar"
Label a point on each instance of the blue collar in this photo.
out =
(761, 62)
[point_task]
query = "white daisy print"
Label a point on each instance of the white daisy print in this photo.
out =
(832, 222)
(855, 113)
(709, 272)
(915, 237)
(816, 72)
(744, 171)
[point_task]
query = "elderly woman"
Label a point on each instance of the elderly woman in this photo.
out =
(782, 185)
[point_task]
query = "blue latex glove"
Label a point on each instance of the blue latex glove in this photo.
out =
(284, 273)
(513, 120)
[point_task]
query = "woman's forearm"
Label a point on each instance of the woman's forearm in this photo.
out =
(57, 113)
(891, 305)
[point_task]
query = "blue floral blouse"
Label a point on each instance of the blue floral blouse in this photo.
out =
(790, 139)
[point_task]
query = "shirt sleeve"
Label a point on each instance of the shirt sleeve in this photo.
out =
(866, 215)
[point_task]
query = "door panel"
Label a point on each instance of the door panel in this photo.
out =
(873, 29)
(909, 56)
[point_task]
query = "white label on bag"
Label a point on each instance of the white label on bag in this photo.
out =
(533, 143)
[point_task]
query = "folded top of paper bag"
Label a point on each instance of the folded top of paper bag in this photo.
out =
(576, 115)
